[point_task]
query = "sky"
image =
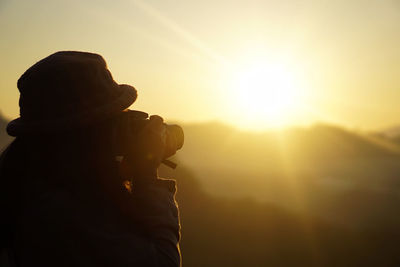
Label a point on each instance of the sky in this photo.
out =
(250, 63)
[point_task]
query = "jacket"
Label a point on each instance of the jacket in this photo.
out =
(57, 226)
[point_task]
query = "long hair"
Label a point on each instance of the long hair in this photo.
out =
(80, 161)
(9, 195)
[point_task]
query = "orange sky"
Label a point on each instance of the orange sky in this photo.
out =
(186, 56)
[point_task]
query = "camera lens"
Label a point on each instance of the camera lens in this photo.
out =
(177, 131)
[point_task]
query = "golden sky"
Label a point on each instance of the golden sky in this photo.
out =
(251, 63)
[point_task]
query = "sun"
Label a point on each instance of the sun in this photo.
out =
(265, 94)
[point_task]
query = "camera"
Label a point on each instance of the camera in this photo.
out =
(129, 125)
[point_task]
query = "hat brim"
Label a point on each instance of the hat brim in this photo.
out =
(19, 127)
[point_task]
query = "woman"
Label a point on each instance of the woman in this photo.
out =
(64, 179)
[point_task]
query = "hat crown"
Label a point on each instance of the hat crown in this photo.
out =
(63, 83)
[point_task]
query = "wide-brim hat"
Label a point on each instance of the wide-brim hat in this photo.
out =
(65, 90)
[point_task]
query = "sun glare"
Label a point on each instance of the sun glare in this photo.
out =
(265, 95)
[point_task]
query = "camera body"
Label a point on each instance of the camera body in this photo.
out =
(129, 126)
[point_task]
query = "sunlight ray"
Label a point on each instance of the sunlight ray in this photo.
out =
(297, 191)
(123, 23)
(180, 31)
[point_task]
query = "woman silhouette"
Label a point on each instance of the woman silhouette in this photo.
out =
(63, 184)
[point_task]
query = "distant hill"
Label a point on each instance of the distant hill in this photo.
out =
(392, 132)
(312, 168)
(322, 151)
